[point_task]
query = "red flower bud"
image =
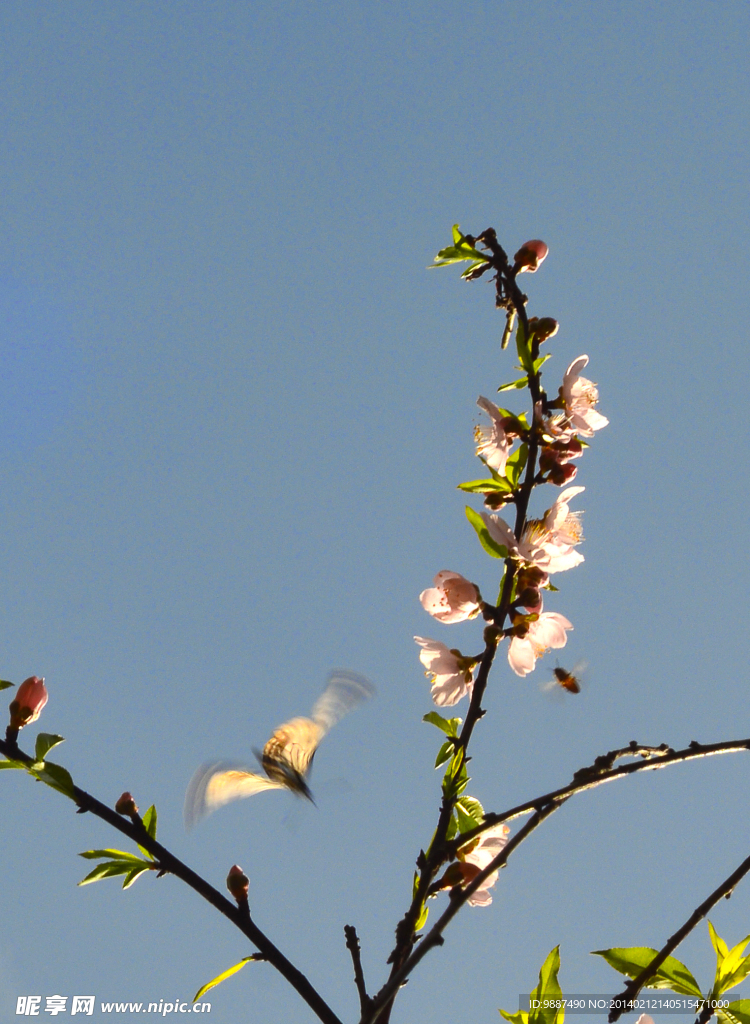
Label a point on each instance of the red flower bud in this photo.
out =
(238, 883)
(530, 256)
(31, 697)
(126, 805)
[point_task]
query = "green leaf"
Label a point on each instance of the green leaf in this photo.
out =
(490, 546)
(735, 1013)
(452, 830)
(469, 813)
(116, 854)
(486, 486)
(107, 870)
(522, 1017)
(731, 966)
(458, 252)
(515, 464)
(456, 777)
(422, 919)
(718, 943)
(12, 764)
(224, 975)
(132, 875)
(5, 684)
(522, 382)
(449, 726)
(444, 753)
(149, 821)
(45, 741)
(631, 960)
(524, 350)
(548, 990)
(55, 776)
(539, 363)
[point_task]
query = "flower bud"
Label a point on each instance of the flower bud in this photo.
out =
(238, 883)
(544, 327)
(530, 256)
(530, 598)
(31, 697)
(126, 805)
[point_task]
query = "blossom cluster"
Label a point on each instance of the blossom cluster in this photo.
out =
(541, 547)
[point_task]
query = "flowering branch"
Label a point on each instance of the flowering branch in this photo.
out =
(166, 862)
(542, 807)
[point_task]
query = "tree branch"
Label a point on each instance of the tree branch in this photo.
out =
(633, 987)
(169, 863)
(352, 944)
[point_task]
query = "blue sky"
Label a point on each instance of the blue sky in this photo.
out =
(235, 409)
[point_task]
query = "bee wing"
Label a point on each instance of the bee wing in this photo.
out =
(343, 692)
(291, 749)
(217, 783)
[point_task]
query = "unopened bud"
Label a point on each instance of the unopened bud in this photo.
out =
(31, 697)
(530, 598)
(530, 256)
(543, 327)
(560, 475)
(238, 883)
(126, 806)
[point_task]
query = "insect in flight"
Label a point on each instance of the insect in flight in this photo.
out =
(287, 756)
(570, 681)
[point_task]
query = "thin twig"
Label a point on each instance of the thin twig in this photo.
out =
(633, 987)
(352, 944)
(169, 863)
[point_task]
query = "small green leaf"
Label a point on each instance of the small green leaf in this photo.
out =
(444, 753)
(224, 975)
(515, 465)
(116, 854)
(458, 252)
(456, 777)
(731, 966)
(523, 349)
(490, 546)
(422, 919)
(735, 1013)
(718, 943)
(469, 813)
(45, 741)
(132, 875)
(452, 830)
(485, 486)
(516, 385)
(107, 870)
(5, 684)
(149, 821)
(522, 1017)
(55, 776)
(12, 764)
(539, 363)
(449, 726)
(548, 990)
(631, 960)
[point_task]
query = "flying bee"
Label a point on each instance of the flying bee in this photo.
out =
(570, 681)
(287, 756)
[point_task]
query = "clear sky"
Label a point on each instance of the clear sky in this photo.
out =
(234, 409)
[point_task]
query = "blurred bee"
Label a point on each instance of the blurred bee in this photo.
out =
(287, 756)
(570, 681)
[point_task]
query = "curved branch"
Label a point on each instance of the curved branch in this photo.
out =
(169, 863)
